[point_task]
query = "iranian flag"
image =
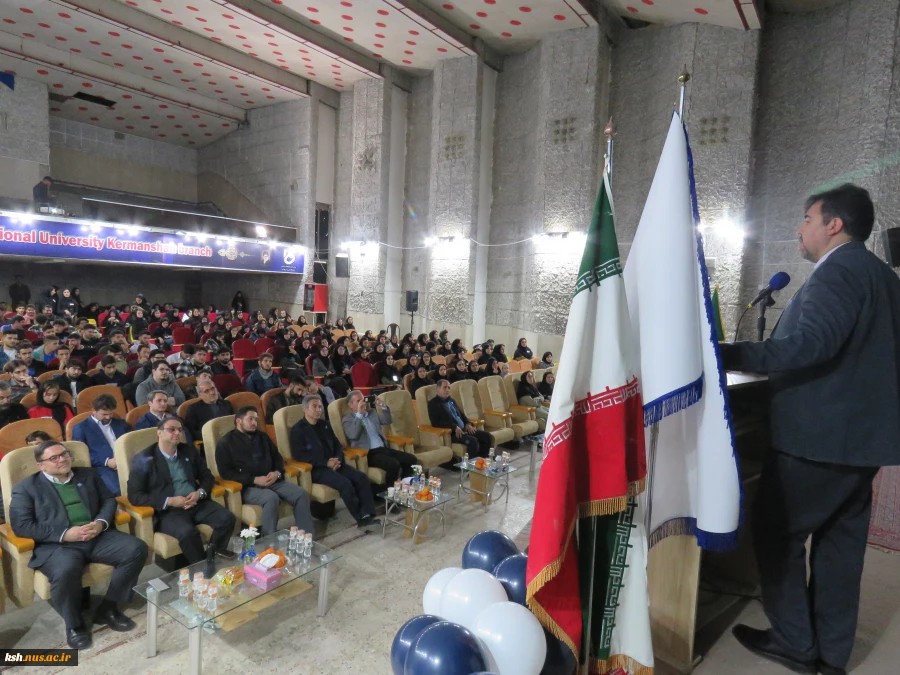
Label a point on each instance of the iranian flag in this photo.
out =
(587, 558)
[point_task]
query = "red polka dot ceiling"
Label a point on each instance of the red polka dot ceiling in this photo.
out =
(164, 90)
(741, 14)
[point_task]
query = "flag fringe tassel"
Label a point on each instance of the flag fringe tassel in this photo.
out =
(673, 402)
(601, 507)
(622, 661)
(708, 541)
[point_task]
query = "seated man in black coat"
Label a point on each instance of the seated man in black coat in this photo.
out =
(74, 379)
(249, 457)
(71, 516)
(445, 414)
(172, 477)
(209, 407)
(9, 411)
(313, 442)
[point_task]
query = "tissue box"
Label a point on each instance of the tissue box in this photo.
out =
(263, 578)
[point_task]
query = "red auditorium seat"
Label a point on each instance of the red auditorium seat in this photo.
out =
(228, 384)
(262, 345)
(182, 336)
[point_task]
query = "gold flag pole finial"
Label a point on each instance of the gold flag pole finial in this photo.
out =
(683, 79)
(610, 132)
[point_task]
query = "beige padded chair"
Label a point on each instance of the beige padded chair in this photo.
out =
(468, 398)
(21, 581)
(494, 396)
(249, 514)
(135, 414)
(283, 420)
(162, 545)
(511, 381)
(85, 399)
(423, 396)
(336, 411)
(427, 443)
(13, 435)
(30, 400)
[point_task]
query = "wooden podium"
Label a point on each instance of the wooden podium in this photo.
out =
(677, 566)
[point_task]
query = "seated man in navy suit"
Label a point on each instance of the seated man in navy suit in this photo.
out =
(172, 477)
(159, 408)
(99, 432)
(314, 442)
(70, 515)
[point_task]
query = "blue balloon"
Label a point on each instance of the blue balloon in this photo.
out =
(486, 550)
(405, 638)
(560, 660)
(445, 648)
(511, 573)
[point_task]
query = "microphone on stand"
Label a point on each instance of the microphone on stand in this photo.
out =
(778, 281)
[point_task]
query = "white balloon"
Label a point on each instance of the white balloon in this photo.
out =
(514, 638)
(431, 597)
(469, 592)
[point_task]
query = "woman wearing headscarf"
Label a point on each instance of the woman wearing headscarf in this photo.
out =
(348, 324)
(500, 354)
(439, 373)
(522, 350)
(405, 351)
(546, 361)
(545, 388)
(420, 380)
(492, 367)
(301, 320)
(76, 296)
(324, 367)
(343, 362)
(458, 347)
(474, 371)
(238, 304)
(112, 319)
(50, 405)
(528, 394)
(92, 311)
(433, 337)
(66, 306)
(411, 365)
(303, 346)
(445, 350)
(487, 353)
(388, 374)
(137, 321)
(378, 354)
(339, 324)
(461, 372)
(426, 361)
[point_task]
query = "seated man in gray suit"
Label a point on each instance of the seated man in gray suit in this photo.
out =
(71, 515)
(362, 426)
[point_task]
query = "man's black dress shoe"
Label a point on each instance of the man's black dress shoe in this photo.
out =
(78, 638)
(113, 618)
(761, 643)
(825, 669)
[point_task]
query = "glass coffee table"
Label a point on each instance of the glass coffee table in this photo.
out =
(482, 482)
(162, 594)
(415, 520)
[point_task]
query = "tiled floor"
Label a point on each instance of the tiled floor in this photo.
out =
(377, 585)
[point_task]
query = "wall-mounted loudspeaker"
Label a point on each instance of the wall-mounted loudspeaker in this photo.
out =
(412, 301)
(342, 266)
(892, 246)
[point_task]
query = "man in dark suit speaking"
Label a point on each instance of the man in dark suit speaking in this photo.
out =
(833, 362)
(71, 516)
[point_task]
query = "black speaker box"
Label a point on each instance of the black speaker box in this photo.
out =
(342, 266)
(412, 301)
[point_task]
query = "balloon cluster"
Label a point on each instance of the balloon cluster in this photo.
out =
(476, 621)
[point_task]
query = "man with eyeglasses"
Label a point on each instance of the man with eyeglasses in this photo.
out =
(160, 379)
(10, 411)
(172, 477)
(249, 457)
(70, 515)
(99, 432)
(210, 406)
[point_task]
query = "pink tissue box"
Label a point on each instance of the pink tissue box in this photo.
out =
(263, 578)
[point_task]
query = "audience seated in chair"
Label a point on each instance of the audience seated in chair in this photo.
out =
(172, 477)
(99, 432)
(74, 379)
(160, 379)
(445, 414)
(263, 378)
(109, 373)
(70, 514)
(249, 457)
(362, 427)
(292, 395)
(49, 405)
(222, 364)
(313, 441)
(21, 383)
(210, 406)
(10, 411)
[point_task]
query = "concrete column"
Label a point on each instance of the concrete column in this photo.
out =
(393, 303)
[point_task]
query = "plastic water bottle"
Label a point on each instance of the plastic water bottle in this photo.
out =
(203, 597)
(292, 542)
(465, 459)
(184, 584)
(307, 546)
(198, 579)
(212, 596)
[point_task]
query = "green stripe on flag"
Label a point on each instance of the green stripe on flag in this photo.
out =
(601, 250)
(720, 327)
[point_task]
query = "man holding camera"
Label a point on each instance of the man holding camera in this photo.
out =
(362, 426)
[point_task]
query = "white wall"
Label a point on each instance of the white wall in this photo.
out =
(327, 132)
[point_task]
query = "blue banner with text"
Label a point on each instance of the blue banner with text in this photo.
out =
(51, 237)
